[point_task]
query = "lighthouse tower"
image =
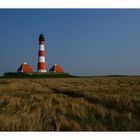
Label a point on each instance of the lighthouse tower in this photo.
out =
(41, 55)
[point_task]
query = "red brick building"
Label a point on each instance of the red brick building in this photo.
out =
(24, 68)
(56, 68)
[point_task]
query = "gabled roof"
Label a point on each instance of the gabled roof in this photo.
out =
(25, 68)
(56, 68)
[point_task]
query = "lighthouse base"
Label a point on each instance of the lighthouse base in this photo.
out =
(42, 71)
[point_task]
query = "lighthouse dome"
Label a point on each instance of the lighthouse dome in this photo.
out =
(41, 37)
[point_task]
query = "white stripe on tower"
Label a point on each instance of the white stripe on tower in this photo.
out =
(42, 47)
(41, 55)
(41, 59)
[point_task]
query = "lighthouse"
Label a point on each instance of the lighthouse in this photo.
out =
(41, 55)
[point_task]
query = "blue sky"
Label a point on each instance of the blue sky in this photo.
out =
(82, 42)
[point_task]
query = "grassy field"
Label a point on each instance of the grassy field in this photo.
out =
(73, 104)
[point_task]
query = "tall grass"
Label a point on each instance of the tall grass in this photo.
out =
(70, 104)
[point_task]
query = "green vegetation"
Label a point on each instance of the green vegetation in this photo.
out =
(36, 75)
(70, 104)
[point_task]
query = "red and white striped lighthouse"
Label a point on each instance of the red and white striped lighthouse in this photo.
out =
(41, 55)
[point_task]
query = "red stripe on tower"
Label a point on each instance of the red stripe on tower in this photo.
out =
(41, 55)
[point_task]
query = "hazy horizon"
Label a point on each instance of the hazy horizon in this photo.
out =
(82, 41)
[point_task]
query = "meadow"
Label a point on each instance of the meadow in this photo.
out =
(70, 104)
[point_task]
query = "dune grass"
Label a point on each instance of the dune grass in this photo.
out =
(70, 104)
